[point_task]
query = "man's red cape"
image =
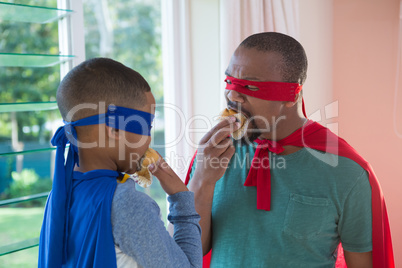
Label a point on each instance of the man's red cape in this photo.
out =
(315, 136)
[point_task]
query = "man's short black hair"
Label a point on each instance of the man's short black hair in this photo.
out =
(294, 65)
(100, 80)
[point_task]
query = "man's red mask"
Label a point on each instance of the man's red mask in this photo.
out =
(271, 91)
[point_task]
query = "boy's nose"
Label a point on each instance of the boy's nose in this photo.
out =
(235, 96)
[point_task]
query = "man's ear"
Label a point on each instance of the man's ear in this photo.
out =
(290, 104)
(113, 133)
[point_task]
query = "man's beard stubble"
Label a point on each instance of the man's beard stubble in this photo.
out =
(252, 133)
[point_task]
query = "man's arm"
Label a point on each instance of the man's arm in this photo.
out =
(358, 259)
(214, 153)
(355, 224)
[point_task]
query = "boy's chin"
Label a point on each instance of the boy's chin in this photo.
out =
(133, 169)
(128, 167)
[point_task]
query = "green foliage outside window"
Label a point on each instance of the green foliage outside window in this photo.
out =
(128, 31)
(132, 35)
(24, 183)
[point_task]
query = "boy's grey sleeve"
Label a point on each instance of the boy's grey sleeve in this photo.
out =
(140, 233)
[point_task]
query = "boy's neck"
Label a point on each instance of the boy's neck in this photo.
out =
(92, 159)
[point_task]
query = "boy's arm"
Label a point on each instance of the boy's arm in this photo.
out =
(139, 232)
(182, 213)
(214, 153)
(203, 203)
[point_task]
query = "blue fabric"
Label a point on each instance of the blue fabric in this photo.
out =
(54, 237)
(91, 241)
(130, 120)
(126, 119)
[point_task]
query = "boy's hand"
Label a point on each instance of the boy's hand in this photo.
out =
(170, 182)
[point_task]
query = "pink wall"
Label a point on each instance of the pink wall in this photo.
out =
(365, 36)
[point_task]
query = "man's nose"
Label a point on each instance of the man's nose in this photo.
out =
(235, 96)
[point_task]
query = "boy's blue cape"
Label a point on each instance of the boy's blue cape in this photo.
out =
(76, 229)
(87, 241)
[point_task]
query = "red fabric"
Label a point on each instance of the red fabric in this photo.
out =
(317, 137)
(268, 90)
(206, 260)
(259, 173)
(272, 91)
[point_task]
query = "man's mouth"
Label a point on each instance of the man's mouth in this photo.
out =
(239, 110)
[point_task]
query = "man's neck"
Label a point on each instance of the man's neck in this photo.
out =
(283, 130)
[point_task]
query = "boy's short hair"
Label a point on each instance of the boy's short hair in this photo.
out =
(100, 80)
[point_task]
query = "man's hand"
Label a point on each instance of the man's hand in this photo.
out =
(214, 153)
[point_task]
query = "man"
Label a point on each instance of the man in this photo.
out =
(312, 190)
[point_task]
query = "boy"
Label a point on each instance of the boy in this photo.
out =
(90, 219)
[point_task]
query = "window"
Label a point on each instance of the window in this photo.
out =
(31, 64)
(35, 53)
(129, 31)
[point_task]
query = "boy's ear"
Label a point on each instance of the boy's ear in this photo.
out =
(113, 133)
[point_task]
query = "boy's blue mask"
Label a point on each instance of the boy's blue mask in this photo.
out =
(134, 121)
(130, 120)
